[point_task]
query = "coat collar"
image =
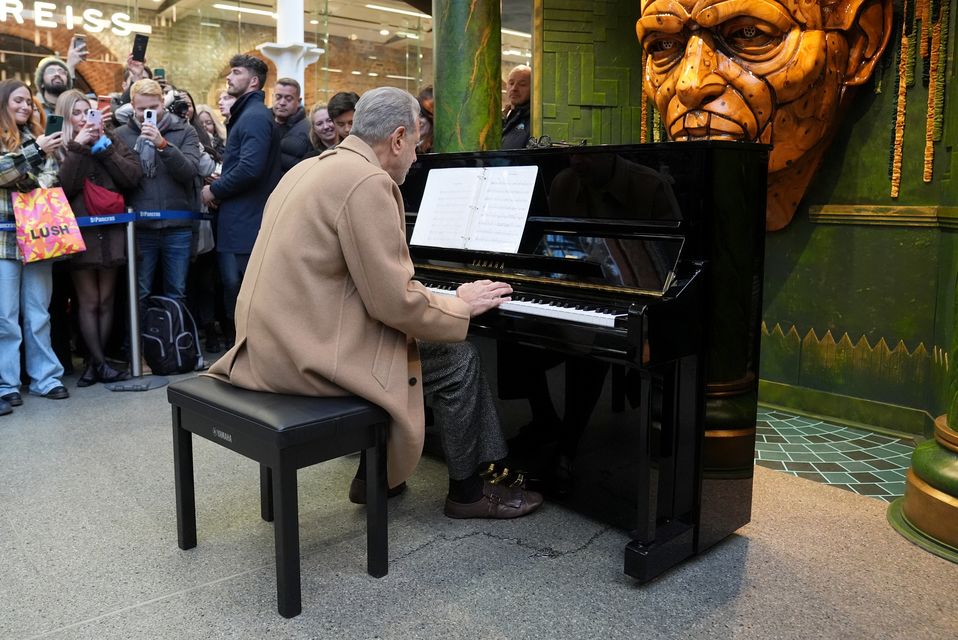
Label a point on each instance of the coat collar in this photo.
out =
(359, 147)
(240, 105)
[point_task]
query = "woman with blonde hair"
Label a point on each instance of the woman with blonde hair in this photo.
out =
(25, 289)
(94, 161)
(322, 131)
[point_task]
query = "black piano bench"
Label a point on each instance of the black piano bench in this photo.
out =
(283, 433)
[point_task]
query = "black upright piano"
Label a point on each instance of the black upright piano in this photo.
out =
(637, 302)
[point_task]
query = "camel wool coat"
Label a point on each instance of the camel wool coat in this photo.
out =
(328, 306)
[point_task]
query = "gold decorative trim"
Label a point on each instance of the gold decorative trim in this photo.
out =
(942, 217)
(732, 387)
(730, 433)
(498, 275)
(939, 355)
(933, 512)
(945, 436)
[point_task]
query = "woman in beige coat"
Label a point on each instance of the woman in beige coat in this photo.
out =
(328, 305)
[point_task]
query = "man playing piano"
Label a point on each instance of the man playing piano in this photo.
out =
(328, 307)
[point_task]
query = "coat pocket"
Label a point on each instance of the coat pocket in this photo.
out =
(385, 354)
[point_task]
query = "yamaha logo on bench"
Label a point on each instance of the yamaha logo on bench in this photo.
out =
(222, 435)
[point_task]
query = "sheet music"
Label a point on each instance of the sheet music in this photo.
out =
(478, 208)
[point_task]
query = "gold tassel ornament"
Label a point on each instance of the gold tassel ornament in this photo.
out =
(644, 113)
(932, 100)
(900, 110)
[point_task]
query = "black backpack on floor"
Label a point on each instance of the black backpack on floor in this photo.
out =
(171, 343)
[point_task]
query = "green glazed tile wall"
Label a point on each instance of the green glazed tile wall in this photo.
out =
(591, 71)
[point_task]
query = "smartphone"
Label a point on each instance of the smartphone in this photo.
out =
(149, 115)
(54, 125)
(79, 41)
(159, 74)
(102, 102)
(94, 116)
(139, 47)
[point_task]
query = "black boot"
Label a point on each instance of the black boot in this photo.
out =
(213, 344)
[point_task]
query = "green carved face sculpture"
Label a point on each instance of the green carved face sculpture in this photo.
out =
(772, 71)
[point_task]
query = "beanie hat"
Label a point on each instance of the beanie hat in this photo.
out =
(46, 62)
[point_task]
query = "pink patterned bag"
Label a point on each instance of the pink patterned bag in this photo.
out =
(46, 226)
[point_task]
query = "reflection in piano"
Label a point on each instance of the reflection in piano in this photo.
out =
(637, 306)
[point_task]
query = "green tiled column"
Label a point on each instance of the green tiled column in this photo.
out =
(468, 51)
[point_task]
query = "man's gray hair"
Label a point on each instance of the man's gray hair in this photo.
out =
(380, 111)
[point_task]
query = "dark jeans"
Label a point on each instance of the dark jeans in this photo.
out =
(232, 270)
(172, 246)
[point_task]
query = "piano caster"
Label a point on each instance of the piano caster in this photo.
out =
(647, 561)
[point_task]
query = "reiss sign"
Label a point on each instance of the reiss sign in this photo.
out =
(51, 16)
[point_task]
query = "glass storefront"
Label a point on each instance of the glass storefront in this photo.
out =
(364, 44)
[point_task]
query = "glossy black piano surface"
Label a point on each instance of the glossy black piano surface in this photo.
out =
(627, 363)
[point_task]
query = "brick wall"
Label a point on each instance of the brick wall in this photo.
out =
(195, 56)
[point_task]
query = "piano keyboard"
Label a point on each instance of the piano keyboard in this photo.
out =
(537, 307)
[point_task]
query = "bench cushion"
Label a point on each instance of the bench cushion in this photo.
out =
(294, 419)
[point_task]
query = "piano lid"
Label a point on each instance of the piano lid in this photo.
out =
(604, 218)
(623, 182)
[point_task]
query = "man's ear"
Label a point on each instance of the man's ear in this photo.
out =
(867, 25)
(398, 137)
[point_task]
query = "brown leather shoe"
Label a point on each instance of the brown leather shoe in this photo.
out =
(497, 501)
(357, 491)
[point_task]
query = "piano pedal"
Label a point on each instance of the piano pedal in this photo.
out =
(504, 476)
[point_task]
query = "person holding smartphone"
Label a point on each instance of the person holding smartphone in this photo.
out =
(169, 155)
(92, 155)
(25, 289)
(78, 53)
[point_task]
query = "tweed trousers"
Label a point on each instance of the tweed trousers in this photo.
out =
(465, 411)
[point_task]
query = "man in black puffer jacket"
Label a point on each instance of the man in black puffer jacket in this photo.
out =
(291, 123)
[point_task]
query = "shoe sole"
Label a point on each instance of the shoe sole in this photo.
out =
(485, 515)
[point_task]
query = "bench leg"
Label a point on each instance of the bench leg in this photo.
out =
(286, 532)
(183, 480)
(266, 493)
(377, 538)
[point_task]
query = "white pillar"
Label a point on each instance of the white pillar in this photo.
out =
(290, 54)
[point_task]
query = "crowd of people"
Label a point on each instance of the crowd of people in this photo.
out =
(152, 148)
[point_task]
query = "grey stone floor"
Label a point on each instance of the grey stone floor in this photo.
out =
(88, 550)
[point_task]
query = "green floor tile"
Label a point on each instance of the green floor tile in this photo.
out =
(844, 446)
(767, 446)
(868, 489)
(855, 465)
(838, 478)
(831, 467)
(773, 455)
(833, 457)
(855, 460)
(892, 475)
(772, 464)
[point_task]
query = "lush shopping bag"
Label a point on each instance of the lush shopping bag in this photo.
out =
(46, 226)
